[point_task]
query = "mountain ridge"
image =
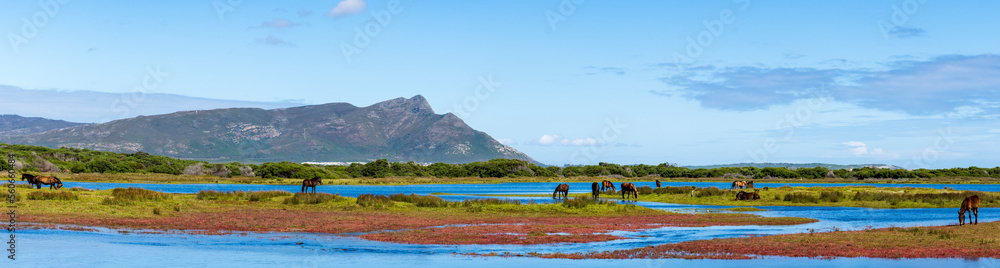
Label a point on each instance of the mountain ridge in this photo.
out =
(398, 129)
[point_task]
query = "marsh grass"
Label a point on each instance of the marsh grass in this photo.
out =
(52, 195)
(801, 198)
(6, 196)
(710, 191)
(584, 201)
(940, 199)
(831, 196)
(674, 190)
(644, 190)
(374, 201)
(254, 196)
(311, 198)
(128, 196)
(419, 200)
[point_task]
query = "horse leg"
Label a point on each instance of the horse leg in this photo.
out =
(975, 211)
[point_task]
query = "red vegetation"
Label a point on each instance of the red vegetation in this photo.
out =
(919, 242)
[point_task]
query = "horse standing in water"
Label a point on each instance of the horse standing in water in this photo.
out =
(595, 188)
(969, 204)
(607, 184)
(628, 189)
(561, 189)
(311, 183)
(657, 183)
(748, 184)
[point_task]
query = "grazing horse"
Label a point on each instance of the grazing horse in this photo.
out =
(561, 189)
(607, 184)
(747, 196)
(739, 184)
(748, 185)
(657, 183)
(311, 183)
(595, 188)
(969, 204)
(52, 182)
(628, 189)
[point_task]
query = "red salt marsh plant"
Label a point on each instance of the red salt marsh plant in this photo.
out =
(973, 241)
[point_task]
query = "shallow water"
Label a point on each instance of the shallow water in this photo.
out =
(110, 248)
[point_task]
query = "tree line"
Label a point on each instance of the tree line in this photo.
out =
(43, 159)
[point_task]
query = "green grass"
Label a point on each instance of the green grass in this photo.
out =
(254, 196)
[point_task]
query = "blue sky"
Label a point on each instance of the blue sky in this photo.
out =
(910, 83)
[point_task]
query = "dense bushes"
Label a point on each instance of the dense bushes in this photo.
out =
(311, 198)
(419, 200)
(240, 195)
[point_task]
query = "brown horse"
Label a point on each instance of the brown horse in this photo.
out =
(748, 185)
(628, 189)
(595, 189)
(561, 189)
(311, 183)
(52, 182)
(607, 184)
(657, 183)
(747, 196)
(739, 184)
(969, 204)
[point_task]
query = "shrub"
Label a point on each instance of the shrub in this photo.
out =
(674, 190)
(126, 196)
(710, 191)
(48, 195)
(310, 198)
(644, 190)
(6, 196)
(371, 200)
(801, 198)
(831, 196)
(419, 200)
(156, 211)
(583, 201)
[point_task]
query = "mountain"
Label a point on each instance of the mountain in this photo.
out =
(798, 165)
(15, 125)
(398, 130)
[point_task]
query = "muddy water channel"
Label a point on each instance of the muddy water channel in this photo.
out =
(112, 248)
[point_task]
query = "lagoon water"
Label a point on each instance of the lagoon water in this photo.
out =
(109, 248)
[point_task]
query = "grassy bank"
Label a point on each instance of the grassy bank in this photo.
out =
(847, 196)
(278, 211)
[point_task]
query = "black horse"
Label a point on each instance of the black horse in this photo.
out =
(596, 189)
(311, 183)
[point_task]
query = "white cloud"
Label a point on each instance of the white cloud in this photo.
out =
(579, 142)
(860, 149)
(348, 7)
(548, 139)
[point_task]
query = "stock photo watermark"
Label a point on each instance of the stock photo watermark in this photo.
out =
(714, 29)
(900, 15)
(363, 35)
(613, 129)
(31, 27)
(125, 103)
(484, 90)
(943, 142)
(225, 6)
(11, 210)
(788, 124)
(565, 9)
